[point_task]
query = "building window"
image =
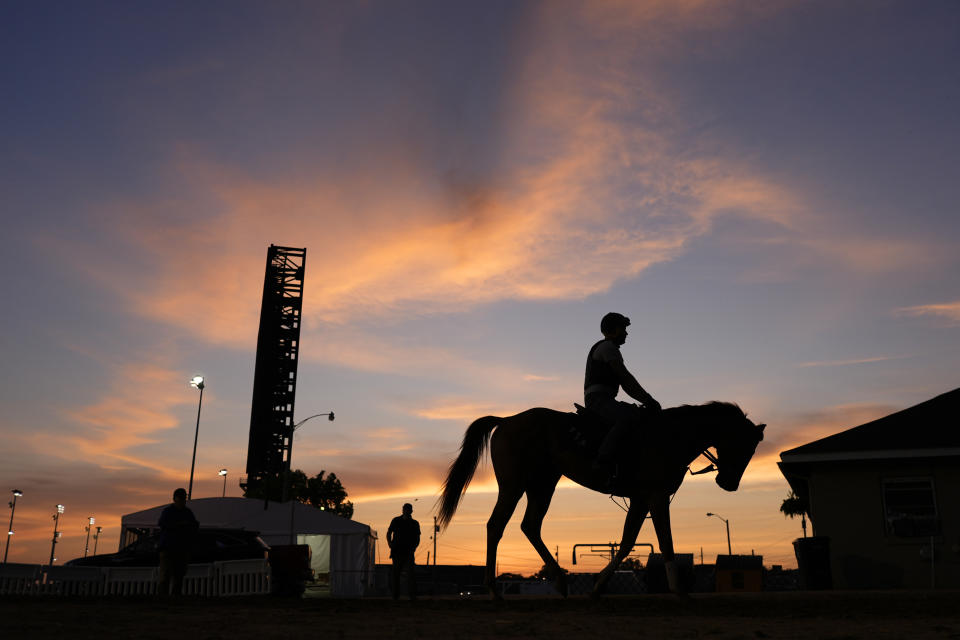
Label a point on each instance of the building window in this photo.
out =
(910, 508)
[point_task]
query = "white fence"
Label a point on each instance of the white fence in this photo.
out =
(230, 578)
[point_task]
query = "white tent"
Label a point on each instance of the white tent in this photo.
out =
(341, 547)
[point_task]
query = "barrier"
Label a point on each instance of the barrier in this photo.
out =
(130, 581)
(71, 581)
(18, 579)
(200, 580)
(243, 577)
(228, 578)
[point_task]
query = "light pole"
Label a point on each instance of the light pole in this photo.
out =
(13, 508)
(726, 522)
(223, 472)
(286, 471)
(86, 547)
(196, 381)
(96, 539)
(56, 534)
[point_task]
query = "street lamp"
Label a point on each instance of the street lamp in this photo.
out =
(89, 526)
(56, 534)
(196, 382)
(13, 508)
(286, 484)
(96, 539)
(726, 522)
(223, 472)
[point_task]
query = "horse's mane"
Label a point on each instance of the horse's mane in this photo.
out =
(716, 409)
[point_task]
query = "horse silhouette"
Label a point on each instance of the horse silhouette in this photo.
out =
(531, 450)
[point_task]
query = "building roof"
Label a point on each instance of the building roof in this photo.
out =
(739, 563)
(931, 428)
(247, 513)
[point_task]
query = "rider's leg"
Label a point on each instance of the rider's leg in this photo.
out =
(623, 416)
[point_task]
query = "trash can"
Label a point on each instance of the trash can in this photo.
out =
(813, 562)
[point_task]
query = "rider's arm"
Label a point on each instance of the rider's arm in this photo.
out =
(632, 387)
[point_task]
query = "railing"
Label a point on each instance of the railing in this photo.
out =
(229, 578)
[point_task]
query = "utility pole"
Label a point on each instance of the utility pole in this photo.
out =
(436, 529)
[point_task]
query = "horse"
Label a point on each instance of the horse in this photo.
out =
(531, 450)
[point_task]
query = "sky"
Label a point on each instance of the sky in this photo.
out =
(768, 190)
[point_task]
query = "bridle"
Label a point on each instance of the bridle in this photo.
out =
(714, 466)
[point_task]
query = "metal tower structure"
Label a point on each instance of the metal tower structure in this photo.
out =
(275, 374)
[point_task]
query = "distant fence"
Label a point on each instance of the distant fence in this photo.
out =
(229, 578)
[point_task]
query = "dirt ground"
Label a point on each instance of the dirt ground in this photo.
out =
(821, 615)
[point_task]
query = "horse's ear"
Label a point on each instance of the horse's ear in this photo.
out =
(761, 427)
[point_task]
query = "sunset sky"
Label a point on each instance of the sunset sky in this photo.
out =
(768, 189)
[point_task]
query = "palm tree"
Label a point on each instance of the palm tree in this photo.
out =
(793, 506)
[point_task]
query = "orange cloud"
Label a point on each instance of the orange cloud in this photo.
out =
(947, 311)
(135, 409)
(588, 193)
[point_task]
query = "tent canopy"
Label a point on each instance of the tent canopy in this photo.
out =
(273, 522)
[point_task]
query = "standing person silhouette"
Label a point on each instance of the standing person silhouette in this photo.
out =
(403, 537)
(605, 374)
(178, 527)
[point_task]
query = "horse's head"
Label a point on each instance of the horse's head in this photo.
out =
(735, 449)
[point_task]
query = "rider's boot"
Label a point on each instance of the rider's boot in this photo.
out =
(606, 467)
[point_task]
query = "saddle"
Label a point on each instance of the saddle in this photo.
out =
(586, 429)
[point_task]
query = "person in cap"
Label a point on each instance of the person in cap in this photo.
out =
(605, 375)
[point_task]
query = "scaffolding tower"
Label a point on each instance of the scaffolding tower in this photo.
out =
(275, 373)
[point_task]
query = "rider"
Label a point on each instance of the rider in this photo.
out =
(604, 376)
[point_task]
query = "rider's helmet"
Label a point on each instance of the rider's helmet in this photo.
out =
(613, 321)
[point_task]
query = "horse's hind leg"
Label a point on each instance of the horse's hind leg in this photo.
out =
(538, 501)
(506, 502)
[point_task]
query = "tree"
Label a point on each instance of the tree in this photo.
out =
(792, 507)
(546, 574)
(631, 564)
(326, 493)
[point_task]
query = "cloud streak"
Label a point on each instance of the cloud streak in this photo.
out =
(948, 312)
(844, 363)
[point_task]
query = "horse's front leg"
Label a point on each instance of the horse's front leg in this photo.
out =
(660, 512)
(631, 529)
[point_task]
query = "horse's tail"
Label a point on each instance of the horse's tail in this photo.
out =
(475, 441)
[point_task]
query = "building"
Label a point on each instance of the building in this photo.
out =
(736, 573)
(885, 497)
